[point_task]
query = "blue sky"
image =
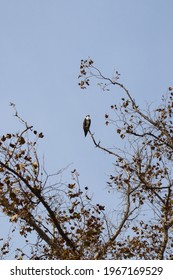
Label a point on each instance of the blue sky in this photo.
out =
(41, 45)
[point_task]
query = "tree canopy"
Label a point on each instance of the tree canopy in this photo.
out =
(65, 221)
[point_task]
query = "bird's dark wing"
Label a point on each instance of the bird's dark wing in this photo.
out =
(86, 126)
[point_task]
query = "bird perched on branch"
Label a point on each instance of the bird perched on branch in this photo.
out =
(86, 124)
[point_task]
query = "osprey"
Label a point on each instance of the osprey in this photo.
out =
(86, 124)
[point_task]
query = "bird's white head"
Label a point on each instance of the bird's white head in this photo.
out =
(87, 117)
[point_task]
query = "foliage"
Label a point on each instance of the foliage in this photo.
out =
(143, 171)
(63, 219)
(66, 224)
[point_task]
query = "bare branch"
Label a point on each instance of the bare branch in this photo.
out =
(103, 249)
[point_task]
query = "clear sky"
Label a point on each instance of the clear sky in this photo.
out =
(41, 45)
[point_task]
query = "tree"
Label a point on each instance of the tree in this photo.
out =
(66, 223)
(143, 172)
